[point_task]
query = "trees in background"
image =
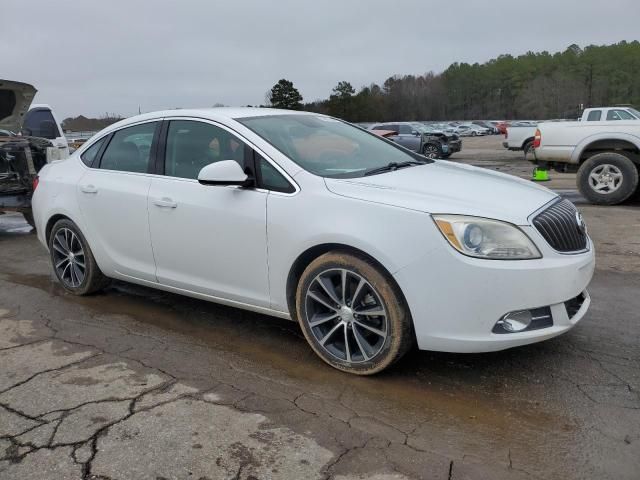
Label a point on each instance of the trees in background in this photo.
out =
(530, 86)
(84, 124)
(285, 95)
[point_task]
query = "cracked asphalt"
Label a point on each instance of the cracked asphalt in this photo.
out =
(134, 384)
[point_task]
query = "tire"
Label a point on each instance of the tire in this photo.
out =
(431, 150)
(77, 277)
(527, 149)
(607, 178)
(28, 216)
(369, 351)
(473, 134)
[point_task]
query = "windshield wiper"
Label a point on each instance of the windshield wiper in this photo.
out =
(390, 167)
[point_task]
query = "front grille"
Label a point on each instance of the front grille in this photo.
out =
(573, 305)
(562, 227)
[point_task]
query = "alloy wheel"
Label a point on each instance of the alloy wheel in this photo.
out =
(346, 315)
(605, 178)
(430, 151)
(69, 258)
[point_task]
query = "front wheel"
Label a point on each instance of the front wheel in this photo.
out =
(431, 151)
(73, 261)
(352, 315)
(607, 178)
(473, 134)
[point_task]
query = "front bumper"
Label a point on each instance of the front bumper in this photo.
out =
(455, 301)
(455, 145)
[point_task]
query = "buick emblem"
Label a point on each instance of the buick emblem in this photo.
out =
(582, 227)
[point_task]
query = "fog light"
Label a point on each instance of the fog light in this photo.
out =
(515, 321)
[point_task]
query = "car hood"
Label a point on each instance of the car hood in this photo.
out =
(15, 99)
(446, 187)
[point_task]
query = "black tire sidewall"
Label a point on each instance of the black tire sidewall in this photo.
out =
(28, 217)
(399, 323)
(629, 182)
(90, 264)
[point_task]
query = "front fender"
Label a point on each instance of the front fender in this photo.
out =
(584, 144)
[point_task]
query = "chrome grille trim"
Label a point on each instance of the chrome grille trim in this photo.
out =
(558, 225)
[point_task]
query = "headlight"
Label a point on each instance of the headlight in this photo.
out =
(484, 238)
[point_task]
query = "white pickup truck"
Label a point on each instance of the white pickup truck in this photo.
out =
(604, 148)
(520, 137)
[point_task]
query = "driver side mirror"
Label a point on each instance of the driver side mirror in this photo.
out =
(416, 133)
(224, 172)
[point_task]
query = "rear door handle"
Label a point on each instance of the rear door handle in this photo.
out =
(164, 202)
(88, 189)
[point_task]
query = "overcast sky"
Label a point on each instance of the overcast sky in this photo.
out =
(90, 57)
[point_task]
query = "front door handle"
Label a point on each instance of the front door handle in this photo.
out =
(164, 202)
(88, 189)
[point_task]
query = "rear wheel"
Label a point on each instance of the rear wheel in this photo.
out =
(72, 260)
(528, 151)
(607, 178)
(352, 315)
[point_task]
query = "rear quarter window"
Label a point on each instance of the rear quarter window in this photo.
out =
(90, 154)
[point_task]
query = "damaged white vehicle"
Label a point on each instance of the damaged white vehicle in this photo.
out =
(30, 137)
(372, 248)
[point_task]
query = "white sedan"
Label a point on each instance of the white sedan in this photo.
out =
(369, 247)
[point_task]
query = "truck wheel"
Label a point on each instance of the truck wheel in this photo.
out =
(528, 151)
(607, 178)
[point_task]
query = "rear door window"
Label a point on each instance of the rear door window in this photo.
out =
(40, 123)
(594, 116)
(129, 149)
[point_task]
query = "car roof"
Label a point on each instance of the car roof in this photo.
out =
(215, 113)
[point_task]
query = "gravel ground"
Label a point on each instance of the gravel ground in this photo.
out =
(134, 383)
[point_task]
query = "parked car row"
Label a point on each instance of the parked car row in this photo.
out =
(420, 138)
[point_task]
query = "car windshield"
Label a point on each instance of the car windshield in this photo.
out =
(328, 147)
(635, 112)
